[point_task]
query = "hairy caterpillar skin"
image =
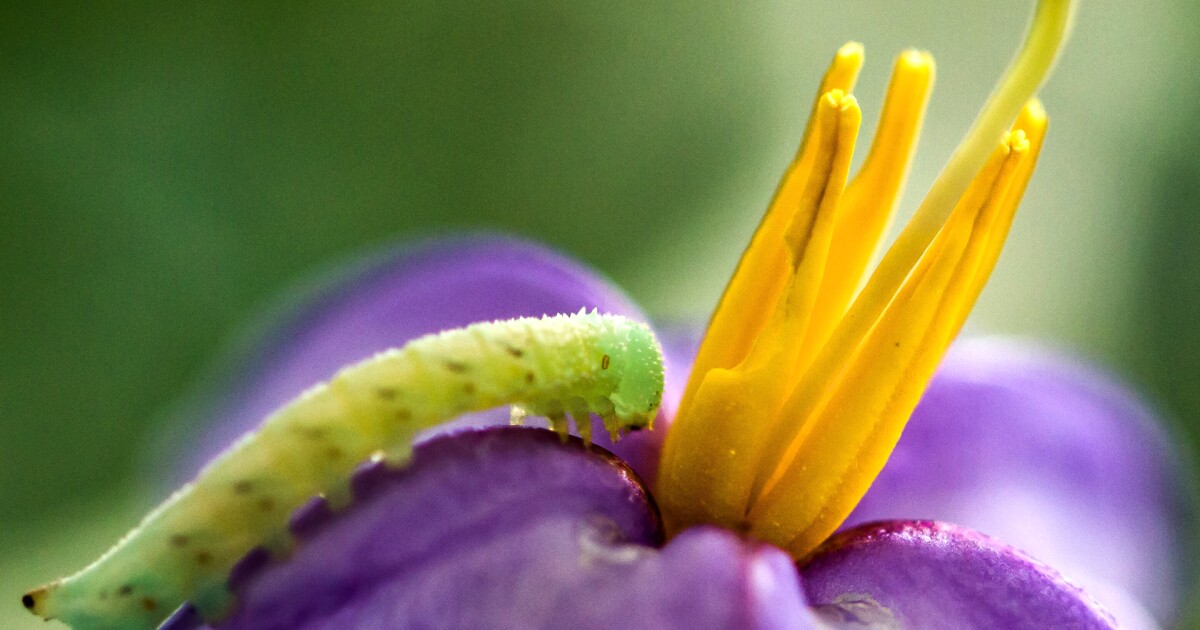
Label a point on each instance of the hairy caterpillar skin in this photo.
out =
(184, 549)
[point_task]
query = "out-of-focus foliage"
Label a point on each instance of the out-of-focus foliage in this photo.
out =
(1164, 344)
(165, 171)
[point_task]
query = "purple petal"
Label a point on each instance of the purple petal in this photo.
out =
(922, 574)
(416, 290)
(1052, 457)
(710, 578)
(511, 528)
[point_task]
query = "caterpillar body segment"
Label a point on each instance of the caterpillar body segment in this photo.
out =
(183, 550)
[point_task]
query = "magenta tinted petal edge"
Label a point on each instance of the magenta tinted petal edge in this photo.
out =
(933, 575)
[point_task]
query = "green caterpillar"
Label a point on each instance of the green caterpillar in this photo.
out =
(184, 549)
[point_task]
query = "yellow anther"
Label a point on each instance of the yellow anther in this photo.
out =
(721, 467)
(807, 375)
(871, 199)
(761, 273)
(843, 71)
(847, 420)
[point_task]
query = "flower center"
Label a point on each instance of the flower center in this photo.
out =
(811, 365)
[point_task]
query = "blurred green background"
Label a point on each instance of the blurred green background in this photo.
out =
(166, 172)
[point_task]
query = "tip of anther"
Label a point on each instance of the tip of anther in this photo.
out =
(913, 59)
(839, 99)
(1017, 141)
(1034, 109)
(851, 49)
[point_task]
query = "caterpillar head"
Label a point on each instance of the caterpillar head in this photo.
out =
(635, 356)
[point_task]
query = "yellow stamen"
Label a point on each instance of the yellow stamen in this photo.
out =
(871, 199)
(731, 419)
(801, 388)
(760, 275)
(851, 418)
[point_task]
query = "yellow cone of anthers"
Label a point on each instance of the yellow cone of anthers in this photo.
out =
(811, 366)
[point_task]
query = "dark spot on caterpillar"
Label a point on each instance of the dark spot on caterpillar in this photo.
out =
(243, 487)
(514, 351)
(179, 540)
(203, 558)
(266, 504)
(604, 362)
(403, 415)
(125, 590)
(27, 601)
(149, 604)
(897, 344)
(312, 433)
(456, 366)
(386, 393)
(333, 452)
(469, 388)
(529, 378)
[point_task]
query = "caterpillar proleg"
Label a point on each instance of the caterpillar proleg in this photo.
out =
(183, 550)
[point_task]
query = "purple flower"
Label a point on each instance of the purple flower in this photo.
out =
(509, 527)
(772, 430)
